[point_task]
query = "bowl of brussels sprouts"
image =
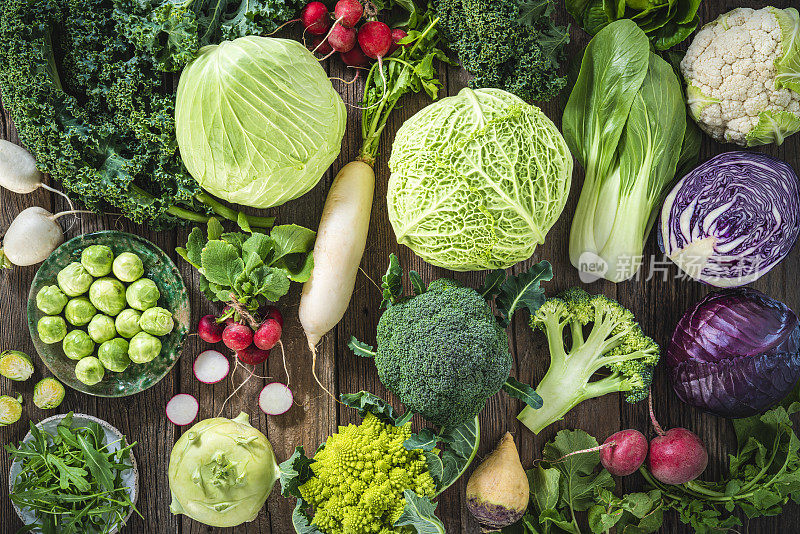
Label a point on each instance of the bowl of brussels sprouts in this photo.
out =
(108, 313)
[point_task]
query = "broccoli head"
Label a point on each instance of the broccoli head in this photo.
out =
(614, 346)
(442, 353)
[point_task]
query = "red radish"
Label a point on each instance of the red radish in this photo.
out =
(348, 12)
(397, 36)
(624, 452)
(342, 39)
(355, 57)
(676, 456)
(209, 329)
(375, 39)
(271, 312)
(211, 367)
(268, 334)
(237, 336)
(252, 355)
(321, 46)
(315, 18)
(275, 399)
(182, 409)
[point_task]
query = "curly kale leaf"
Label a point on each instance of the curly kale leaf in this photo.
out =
(507, 44)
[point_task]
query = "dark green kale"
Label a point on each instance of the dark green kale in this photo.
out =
(507, 44)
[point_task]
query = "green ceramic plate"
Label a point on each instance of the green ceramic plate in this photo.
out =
(174, 297)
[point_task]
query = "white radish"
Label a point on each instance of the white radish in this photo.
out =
(275, 399)
(32, 236)
(341, 239)
(18, 171)
(211, 367)
(182, 409)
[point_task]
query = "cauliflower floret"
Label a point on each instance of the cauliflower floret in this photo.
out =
(743, 84)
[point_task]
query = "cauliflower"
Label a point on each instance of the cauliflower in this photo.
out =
(743, 76)
(360, 476)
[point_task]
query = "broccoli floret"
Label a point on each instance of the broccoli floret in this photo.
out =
(443, 353)
(360, 476)
(615, 346)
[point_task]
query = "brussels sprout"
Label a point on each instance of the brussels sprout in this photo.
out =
(77, 344)
(48, 393)
(90, 371)
(97, 259)
(142, 294)
(10, 409)
(144, 348)
(79, 311)
(108, 295)
(157, 321)
(51, 300)
(74, 279)
(51, 329)
(15, 365)
(114, 355)
(128, 267)
(101, 328)
(127, 323)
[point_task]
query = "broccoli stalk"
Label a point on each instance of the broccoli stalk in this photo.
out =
(615, 345)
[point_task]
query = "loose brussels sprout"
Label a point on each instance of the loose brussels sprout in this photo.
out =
(79, 311)
(101, 328)
(114, 355)
(108, 295)
(144, 348)
(51, 329)
(51, 300)
(10, 409)
(128, 267)
(97, 259)
(157, 321)
(142, 294)
(77, 344)
(48, 393)
(90, 371)
(127, 323)
(74, 279)
(15, 365)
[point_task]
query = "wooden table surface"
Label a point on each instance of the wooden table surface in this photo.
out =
(658, 303)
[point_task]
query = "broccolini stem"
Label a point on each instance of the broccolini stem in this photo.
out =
(187, 215)
(233, 215)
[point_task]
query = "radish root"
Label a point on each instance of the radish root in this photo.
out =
(659, 430)
(314, 371)
(335, 22)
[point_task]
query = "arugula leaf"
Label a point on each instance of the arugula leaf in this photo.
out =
(523, 392)
(97, 463)
(523, 291)
(419, 513)
(392, 282)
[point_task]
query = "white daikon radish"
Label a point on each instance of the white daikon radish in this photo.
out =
(341, 238)
(18, 171)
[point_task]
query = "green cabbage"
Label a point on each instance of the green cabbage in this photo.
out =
(258, 122)
(477, 180)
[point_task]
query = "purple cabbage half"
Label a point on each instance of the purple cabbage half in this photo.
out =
(736, 353)
(732, 219)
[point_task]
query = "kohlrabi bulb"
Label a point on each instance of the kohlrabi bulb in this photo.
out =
(90, 371)
(157, 321)
(142, 294)
(51, 300)
(97, 260)
(127, 323)
(114, 355)
(143, 348)
(79, 311)
(108, 295)
(74, 279)
(128, 267)
(51, 329)
(77, 344)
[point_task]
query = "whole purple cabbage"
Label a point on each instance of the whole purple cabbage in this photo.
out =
(736, 353)
(732, 219)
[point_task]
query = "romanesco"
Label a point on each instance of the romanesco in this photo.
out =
(359, 478)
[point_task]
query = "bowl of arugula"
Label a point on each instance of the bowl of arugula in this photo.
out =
(73, 474)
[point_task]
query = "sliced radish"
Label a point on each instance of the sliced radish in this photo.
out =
(211, 366)
(182, 409)
(275, 399)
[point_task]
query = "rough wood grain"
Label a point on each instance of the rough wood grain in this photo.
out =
(658, 301)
